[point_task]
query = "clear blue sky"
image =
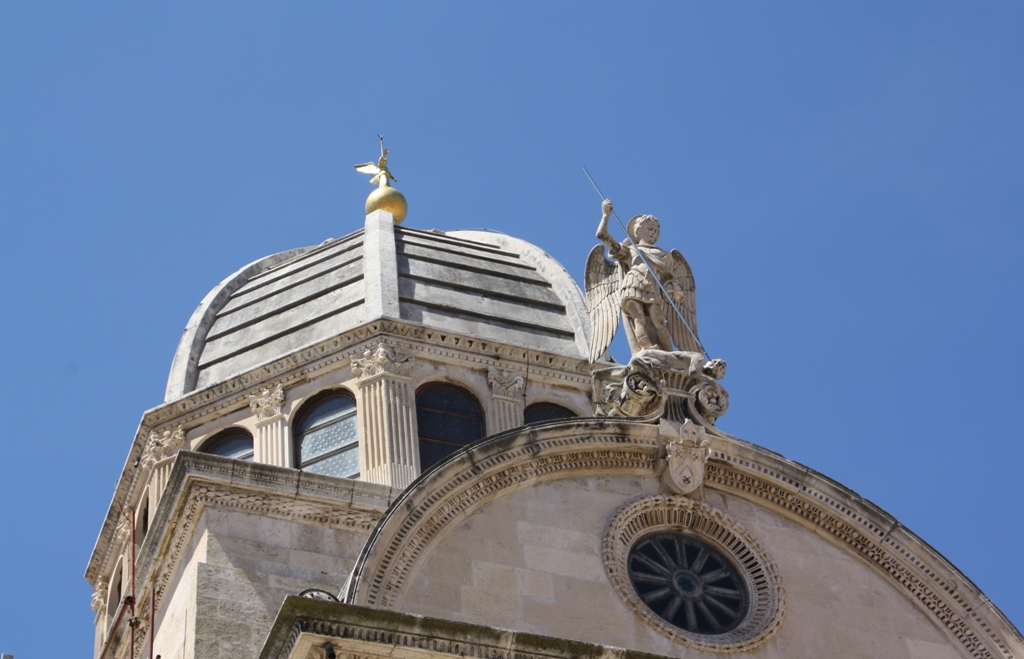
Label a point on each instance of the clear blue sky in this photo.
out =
(844, 178)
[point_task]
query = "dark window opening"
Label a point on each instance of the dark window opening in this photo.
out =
(448, 419)
(546, 412)
(326, 437)
(233, 443)
(688, 583)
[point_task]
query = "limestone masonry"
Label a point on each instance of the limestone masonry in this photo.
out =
(413, 444)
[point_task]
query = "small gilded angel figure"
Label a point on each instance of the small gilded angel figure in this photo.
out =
(381, 175)
(628, 283)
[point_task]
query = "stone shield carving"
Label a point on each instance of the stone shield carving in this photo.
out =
(687, 450)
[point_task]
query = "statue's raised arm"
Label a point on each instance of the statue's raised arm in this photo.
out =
(634, 282)
(667, 377)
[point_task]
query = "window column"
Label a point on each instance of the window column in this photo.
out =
(387, 416)
(273, 442)
(158, 458)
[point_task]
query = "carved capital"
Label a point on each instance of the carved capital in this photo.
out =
(267, 403)
(162, 445)
(686, 452)
(99, 596)
(122, 529)
(382, 358)
(504, 382)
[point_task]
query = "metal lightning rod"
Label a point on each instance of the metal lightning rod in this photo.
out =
(651, 270)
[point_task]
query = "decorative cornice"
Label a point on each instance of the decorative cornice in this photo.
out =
(303, 625)
(461, 486)
(504, 382)
(921, 577)
(267, 403)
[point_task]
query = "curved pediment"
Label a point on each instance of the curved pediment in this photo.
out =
(511, 530)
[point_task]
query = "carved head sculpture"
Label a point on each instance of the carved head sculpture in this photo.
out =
(644, 229)
(714, 369)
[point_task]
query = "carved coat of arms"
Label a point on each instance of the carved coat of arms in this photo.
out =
(687, 450)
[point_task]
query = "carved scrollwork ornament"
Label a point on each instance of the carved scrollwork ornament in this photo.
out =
(628, 391)
(162, 445)
(711, 400)
(99, 596)
(122, 529)
(267, 403)
(505, 382)
(382, 358)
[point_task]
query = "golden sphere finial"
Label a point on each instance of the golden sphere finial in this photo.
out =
(388, 199)
(385, 197)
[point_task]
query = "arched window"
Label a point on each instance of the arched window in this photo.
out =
(326, 441)
(546, 412)
(448, 419)
(114, 596)
(141, 521)
(233, 443)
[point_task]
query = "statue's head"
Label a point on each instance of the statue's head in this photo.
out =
(644, 229)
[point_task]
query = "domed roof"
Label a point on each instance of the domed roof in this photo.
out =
(474, 283)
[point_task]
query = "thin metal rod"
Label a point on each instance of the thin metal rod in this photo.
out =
(652, 270)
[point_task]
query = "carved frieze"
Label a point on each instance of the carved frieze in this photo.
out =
(505, 382)
(380, 359)
(267, 403)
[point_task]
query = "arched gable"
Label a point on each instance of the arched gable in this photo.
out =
(592, 467)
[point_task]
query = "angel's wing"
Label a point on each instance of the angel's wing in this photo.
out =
(368, 168)
(685, 297)
(602, 279)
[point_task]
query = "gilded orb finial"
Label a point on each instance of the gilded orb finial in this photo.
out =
(385, 197)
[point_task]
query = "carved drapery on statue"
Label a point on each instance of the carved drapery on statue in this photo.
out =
(641, 282)
(653, 291)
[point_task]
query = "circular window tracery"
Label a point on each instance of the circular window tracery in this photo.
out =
(693, 574)
(688, 583)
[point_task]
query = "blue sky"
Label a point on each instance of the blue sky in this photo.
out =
(845, 180)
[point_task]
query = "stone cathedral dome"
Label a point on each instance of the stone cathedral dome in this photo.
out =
(404, 443)
(479, 284)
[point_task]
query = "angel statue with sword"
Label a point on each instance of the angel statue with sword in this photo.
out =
(628, 284)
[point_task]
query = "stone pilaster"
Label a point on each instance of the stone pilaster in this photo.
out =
(380, 267)
(390, 452)
(273, 441)
(506, 398)
(157, 459)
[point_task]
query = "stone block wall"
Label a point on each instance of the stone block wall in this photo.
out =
(531, 561)
(242, 569)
